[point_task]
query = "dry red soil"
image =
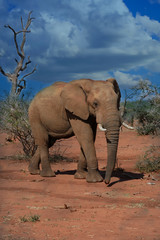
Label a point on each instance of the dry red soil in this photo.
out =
(127, 209)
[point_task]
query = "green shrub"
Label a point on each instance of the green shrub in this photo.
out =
(14, 121)
(32, 218)
(148, 115)
(129, 114)
(145, 107)
(150, 162)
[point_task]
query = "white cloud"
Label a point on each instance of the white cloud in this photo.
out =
(152, 27)
(126, 79)
(103, 75)
(100, 8)
(65, 37)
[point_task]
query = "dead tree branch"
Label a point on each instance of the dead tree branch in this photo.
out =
(19, 85)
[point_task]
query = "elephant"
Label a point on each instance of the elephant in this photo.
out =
(76, 108)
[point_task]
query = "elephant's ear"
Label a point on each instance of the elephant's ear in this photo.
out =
(74, 100)
(116, 89)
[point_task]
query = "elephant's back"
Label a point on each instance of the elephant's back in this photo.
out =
(53, 89)
(48, 93)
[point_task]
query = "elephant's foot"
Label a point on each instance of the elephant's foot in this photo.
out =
(93, 176)
(47, 173)
(80, 174)
(34, 171)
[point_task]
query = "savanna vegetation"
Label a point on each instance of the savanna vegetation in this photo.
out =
(141, 108)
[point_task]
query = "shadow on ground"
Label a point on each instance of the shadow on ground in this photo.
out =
(118, 173)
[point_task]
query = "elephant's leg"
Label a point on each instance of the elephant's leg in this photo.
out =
(45, 164)
(43, 141)
(81, 172)
(93, 174)
(85, 137)
(34, 163)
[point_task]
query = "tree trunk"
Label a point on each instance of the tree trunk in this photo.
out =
(14, 87)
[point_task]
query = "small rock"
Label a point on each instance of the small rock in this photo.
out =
(151, 183)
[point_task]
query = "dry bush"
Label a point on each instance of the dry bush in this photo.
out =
(150, 161)
(14, 121)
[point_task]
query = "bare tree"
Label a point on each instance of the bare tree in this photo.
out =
(19, 83)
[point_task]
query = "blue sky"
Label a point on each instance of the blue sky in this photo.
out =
(72, 39)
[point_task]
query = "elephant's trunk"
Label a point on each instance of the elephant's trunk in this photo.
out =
(112, 137)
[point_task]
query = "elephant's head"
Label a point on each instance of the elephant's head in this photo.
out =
(102, 99)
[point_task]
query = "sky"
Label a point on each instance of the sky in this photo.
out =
(73, 39)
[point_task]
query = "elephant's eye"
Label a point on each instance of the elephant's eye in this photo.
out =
(95, 104)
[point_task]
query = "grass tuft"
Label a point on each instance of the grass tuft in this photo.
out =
(32, 218)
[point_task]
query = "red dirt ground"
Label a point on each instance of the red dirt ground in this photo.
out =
(129, 209)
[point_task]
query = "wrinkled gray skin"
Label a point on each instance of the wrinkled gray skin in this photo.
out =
(75, 108)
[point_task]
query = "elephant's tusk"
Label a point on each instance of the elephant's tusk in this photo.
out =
(101, 128)
(127, 126)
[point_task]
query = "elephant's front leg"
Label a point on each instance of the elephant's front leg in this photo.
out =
(45, 164)
(81, 172)
(85, 137)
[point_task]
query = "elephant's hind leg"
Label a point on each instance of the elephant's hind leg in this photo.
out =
(34, 163)
(42, 155)
(46, 167)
